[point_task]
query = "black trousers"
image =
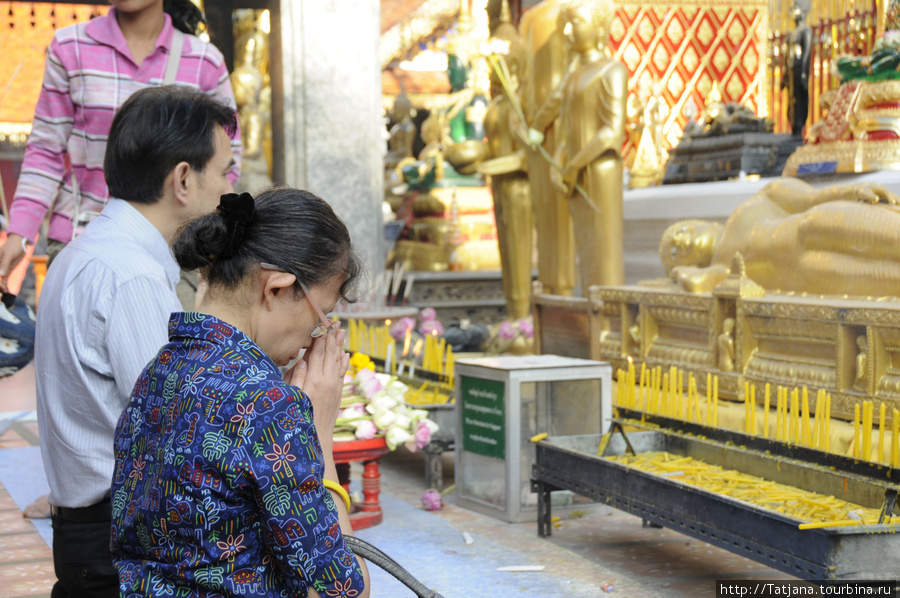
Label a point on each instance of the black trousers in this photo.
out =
(82, 561)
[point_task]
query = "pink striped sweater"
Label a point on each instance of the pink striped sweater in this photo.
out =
(88, 75)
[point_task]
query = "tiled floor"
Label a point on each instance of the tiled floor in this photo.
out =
(582, 555)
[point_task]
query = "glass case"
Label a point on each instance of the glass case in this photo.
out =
(502, 402)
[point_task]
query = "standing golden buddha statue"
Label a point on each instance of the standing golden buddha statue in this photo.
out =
(253, 96)
(591, 102)
(509, 182)
(547, 57)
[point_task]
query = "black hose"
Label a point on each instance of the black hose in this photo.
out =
(372, 554)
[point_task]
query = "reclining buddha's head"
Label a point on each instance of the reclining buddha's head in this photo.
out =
(689, 243)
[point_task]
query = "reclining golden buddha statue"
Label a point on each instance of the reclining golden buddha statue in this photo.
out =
(792, 237)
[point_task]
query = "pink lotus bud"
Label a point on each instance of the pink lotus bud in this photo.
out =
(526, 328)
(422, 435)
(506, 331)
(428, 314)
(366, 430)
(403, 325)
(432, 500)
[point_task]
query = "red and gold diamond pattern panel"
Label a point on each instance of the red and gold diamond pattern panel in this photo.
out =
(687, 47)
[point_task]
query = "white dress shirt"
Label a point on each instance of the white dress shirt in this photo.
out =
(103, 314)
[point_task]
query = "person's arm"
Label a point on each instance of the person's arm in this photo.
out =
(44, 163)
(795, 196)
(612, 91)
(136, 327)
(320, 374)
(507, 164)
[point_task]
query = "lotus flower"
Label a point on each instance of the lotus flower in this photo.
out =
(366, 430)
(423, 434)
(428, 314)
(395, 437)
(432, 500)
(403, 325)
(526, 328)
(507, 331)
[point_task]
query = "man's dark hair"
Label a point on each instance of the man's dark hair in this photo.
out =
(154, 130)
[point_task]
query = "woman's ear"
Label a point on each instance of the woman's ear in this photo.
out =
(275, 283)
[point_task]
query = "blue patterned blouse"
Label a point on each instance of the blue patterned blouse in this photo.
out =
(218, 488)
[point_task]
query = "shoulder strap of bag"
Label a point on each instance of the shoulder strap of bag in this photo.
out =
(174, 57)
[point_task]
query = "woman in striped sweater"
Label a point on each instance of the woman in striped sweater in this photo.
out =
(91, 69)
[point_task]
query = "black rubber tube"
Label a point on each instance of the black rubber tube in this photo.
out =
(373, 555)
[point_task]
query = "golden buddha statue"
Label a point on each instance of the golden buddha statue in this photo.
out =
(253, 96)
(793, 237)
(403, 133)
(547, 58)
(509, 182)
(591, 103)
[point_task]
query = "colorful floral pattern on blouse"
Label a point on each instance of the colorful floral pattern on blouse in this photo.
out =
(217, 489)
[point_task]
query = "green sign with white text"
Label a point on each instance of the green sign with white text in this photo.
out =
(483, 417)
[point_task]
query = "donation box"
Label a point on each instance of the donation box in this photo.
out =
(502, 402)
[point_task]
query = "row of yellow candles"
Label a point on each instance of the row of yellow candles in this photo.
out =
(663, 394)
(376, 341)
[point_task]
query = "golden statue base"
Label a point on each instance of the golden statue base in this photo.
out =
(850, 348)
(853, 156)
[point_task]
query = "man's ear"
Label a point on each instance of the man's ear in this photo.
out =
(275, 283)
(181, 183)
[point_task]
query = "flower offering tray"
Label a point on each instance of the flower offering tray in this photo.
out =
(843, 552)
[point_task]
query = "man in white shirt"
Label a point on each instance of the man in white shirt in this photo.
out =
(105, 307)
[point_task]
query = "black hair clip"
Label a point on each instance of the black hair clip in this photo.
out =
(237, 211)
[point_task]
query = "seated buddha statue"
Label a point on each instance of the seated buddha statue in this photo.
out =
(840, 240)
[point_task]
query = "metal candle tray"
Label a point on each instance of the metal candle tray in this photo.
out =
(870, 552)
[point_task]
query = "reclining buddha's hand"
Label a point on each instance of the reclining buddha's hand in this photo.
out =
(874, 193)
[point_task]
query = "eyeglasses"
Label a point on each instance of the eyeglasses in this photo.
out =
(325, 325)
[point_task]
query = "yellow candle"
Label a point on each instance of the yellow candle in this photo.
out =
(766, 411)
(643, 374)
(805, 426)
(817, 421)
(868, 409)
(856, 432)
(351, 335)
(827, 421)
(681, 401)
(691, 402)
(795, 416)
(451, 366)
(629, 397)
(620, 386)
(753, 409)
(881, 414)
(664, 405)
(895, 441)
(778, 423)
(696, 400)
(716, 400)
(656, 391)
(708, 398)
(746, 407)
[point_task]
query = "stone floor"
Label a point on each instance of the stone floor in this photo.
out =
(602, 546)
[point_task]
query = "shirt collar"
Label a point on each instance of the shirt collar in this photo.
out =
(143, 233)
(204, 327)
(106, 30)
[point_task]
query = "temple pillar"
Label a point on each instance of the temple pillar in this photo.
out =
(326, 83)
